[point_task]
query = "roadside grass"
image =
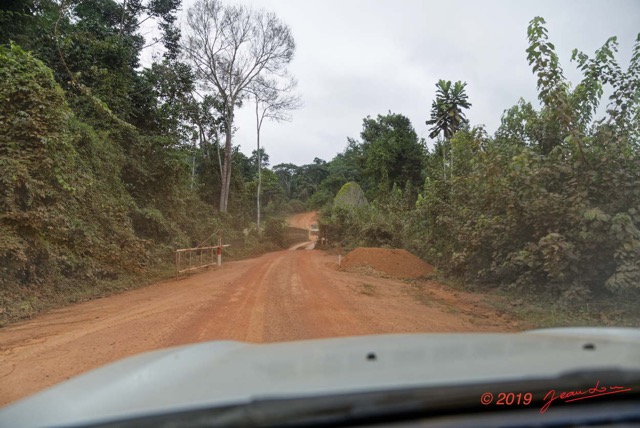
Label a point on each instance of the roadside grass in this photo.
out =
(542, 311)
(250, 252)
(420, 294)
(448, 281)
(19, 303)
(367, 289)
(453, 310)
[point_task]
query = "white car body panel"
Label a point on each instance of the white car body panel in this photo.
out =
(219, 373)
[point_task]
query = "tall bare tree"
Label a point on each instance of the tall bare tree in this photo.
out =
(230, 47)
(274, 101)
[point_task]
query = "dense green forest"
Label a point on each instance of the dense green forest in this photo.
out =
(108, 166)
(548, 205)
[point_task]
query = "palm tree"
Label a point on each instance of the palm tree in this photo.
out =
(446, 110)
(447, 116)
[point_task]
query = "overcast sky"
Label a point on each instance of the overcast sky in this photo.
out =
(356, 58)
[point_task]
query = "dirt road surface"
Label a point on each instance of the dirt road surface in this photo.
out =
(281, 296)
(303, 220)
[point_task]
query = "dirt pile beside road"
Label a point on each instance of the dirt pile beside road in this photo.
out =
(399, 263)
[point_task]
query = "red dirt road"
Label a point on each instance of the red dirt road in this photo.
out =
(286, 295)
(303, 220)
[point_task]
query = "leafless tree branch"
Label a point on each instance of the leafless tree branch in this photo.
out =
(230, 47)
(274, 100)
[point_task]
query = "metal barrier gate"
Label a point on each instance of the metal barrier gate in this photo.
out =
(188, 259)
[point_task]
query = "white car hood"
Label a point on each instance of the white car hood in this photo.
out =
(218, 373)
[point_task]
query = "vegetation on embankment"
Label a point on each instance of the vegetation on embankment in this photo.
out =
(72, 227)
(99, 179)
(548, 206)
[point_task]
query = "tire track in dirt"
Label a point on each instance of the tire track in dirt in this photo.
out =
(237, 313)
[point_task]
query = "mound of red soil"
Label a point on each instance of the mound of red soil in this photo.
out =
(398, 263)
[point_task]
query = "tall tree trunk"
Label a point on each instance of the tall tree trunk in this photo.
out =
(259, 180)
(451, 156)
(226, 204)
(225, 179)
(124, 11)
(193, 164)
(193, 170)
(444, 162)
(258, 123)
(223, 187)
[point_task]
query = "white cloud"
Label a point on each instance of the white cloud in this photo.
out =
(356, 58)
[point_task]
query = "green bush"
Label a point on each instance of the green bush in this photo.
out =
(386, 222)
(350, 195)
(274, 231)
